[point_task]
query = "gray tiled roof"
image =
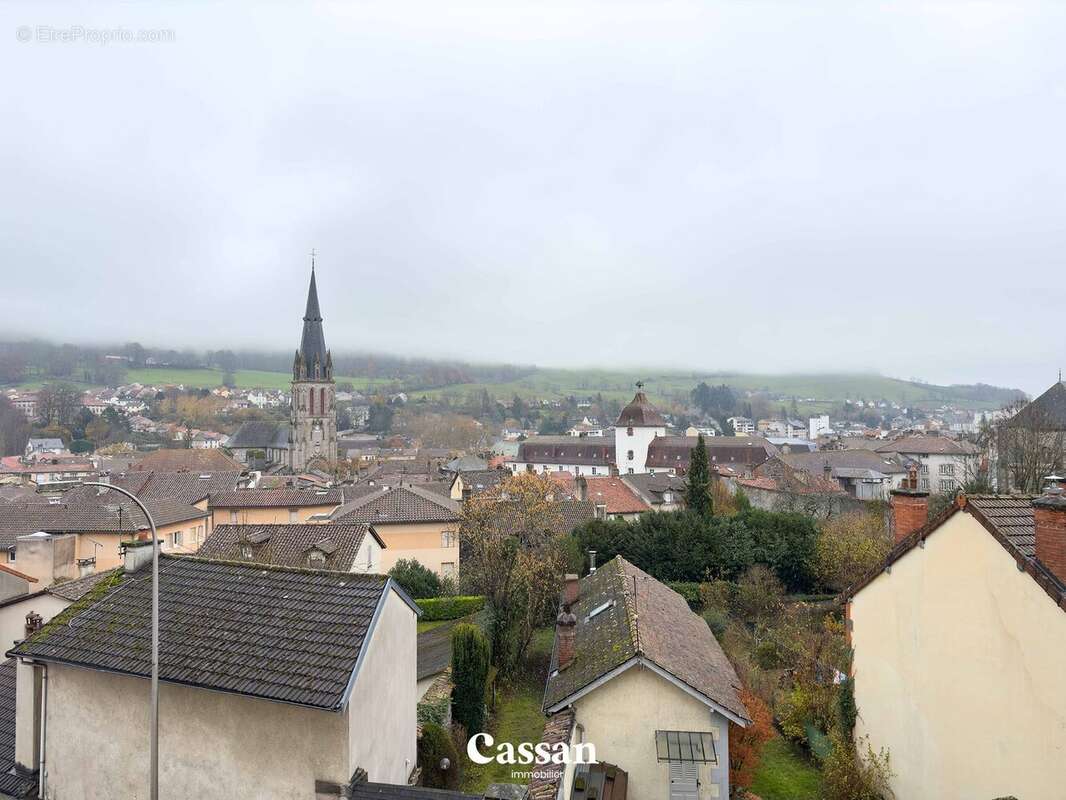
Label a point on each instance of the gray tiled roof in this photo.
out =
(74, 590)
(289, 545)
(259, 434)
(1047, 412)
(402, 504)
(928, 445)
(646, 619)
(175, 460)
(640, 413)
(276, 498)
(814, 463)
(280, 634)
(11, 785)
(188, 487)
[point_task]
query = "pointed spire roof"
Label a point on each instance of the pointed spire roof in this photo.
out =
(640, 413)
(313, 341)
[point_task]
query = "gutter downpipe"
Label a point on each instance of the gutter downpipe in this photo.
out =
(41, 770)
(153, 719)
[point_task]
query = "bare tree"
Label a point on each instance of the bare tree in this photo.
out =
(1029, 444)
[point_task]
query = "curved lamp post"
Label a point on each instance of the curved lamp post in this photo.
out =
(153, 720)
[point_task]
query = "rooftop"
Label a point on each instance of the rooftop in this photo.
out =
(289, 545)
(287, 635)
(403, 504)
(276, 498)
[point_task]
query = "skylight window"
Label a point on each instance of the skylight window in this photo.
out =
(599, 609)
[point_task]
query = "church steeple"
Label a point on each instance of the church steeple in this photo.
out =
(312, 361)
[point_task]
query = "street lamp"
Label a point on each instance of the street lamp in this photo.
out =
(153, 720)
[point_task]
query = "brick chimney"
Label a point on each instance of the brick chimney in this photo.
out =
(565, 636)
(910, 507)
(570, 589)
(581, 488)
(1049, 512)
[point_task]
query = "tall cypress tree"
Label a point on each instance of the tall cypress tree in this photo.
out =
(697, 492)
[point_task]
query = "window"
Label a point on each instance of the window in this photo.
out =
(924, 469)
(246, 552)
(668, 497)
(599, 609)
(947, 485)
(447, 538)
(233, 518)
(629, 454)
(447, 569)
(947, 469)
(629, 431)
(316, 559)
(685, 746)
(10, 555)
(593, 470)
(630, 470)
(176, 539)
(292, 515)
(923, 484)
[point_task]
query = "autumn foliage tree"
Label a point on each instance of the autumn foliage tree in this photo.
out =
(514, 553)
(745, 744)
(849, 548)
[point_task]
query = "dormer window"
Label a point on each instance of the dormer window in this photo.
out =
(316, 559)
(246, 552)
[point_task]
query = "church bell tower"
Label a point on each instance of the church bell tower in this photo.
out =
(313, 418)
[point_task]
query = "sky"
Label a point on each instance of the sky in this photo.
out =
(756, 186)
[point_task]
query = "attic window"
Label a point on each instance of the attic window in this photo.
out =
(599, 609)
(205, 477)
(246, 552)
(316, 559)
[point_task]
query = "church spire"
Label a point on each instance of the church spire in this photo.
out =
(312, 353)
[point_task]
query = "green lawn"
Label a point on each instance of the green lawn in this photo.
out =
(517, 717)
(785, 773)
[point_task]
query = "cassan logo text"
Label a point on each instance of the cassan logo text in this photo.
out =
(529, 753)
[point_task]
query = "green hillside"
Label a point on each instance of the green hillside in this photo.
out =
(814, 392)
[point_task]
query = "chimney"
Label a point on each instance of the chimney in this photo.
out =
(592, 561)
(582, 488)
(566, 634)
(1049, 512)
(570, 589)
(137, 554)
(910, 507)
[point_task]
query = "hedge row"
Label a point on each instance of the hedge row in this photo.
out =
(690, 591)
(438, 608)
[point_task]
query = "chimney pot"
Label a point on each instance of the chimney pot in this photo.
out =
(570, 590)
(1049, 512)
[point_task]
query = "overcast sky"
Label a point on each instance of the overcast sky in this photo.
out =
(717, 185)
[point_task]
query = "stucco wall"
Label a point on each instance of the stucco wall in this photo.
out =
(620, 718)
(13, 616)
(418, 541)
(959, 671)
(382, 712)
(211, 745)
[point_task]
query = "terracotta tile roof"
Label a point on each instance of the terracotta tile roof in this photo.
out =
(615, 495)
(289, 545)
(643, 618)
(544, 783)
(402, 504)
(275, 498)
(195, 460)
(279, 634)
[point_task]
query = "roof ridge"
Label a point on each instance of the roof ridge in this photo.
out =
(630, 599)
(257, 566)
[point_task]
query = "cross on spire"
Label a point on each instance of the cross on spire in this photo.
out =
(312, 259)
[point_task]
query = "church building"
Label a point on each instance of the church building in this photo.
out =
(310, 435)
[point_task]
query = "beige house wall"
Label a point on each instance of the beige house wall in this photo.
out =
(382, 712)
(959, 671)
(211, 744)
(620, 718)
(13, 616)
(267, 516)
(420, 541)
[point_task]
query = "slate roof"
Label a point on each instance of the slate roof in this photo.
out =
(401, 504)
(289, 545)
(11, 785)
(276, 498)
(260, 434)
(481, 480)
(279, 634)
(640, 413)
(1047, 412)
(650, 621)
(675, 451)
(651, 486)
(567, 450)
(312, 340)
(194, 460)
